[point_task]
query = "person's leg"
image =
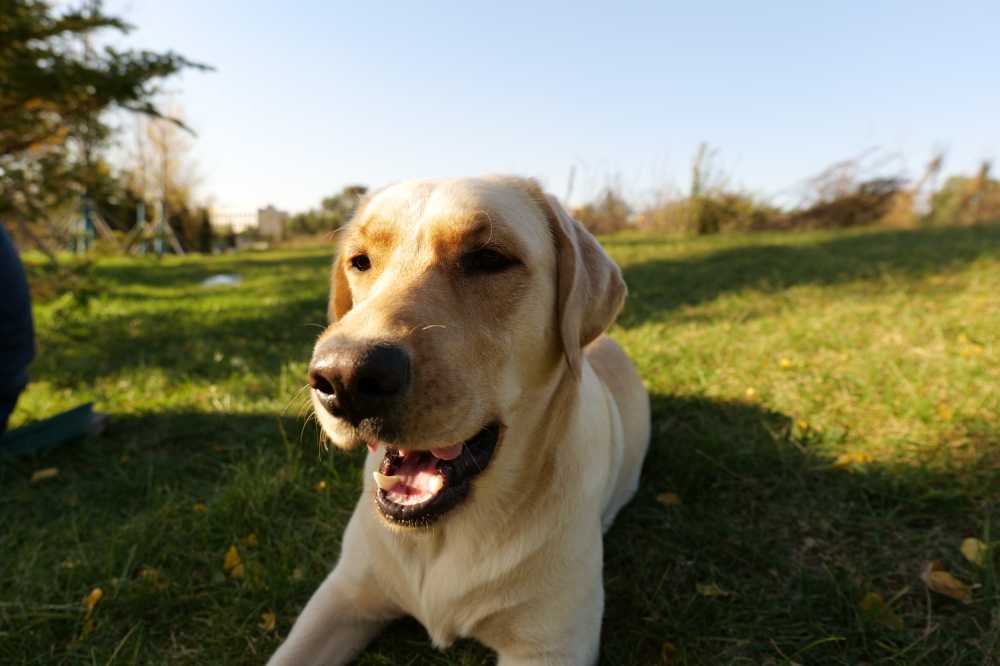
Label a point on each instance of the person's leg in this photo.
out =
(10, 390)
(17, 334)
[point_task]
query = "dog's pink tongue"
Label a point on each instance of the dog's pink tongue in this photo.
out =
(448, 452)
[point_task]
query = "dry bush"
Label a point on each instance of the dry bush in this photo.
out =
(714, 212)
(901, 211)
(608, 213)
(711, 207)
(672, 215)
(865, 203)
(966, 201)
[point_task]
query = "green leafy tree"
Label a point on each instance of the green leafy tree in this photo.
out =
(55, 87)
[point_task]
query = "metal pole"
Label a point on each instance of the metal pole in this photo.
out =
(89, 231)
(161, 228)
(83, 228)
(140, 223)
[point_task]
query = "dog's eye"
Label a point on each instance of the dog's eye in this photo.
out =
(485, 261)
(361, 262)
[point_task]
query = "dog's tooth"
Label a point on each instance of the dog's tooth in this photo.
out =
(385, 482)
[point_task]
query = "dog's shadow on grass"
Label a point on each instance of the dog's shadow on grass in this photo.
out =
(660, 286)
(772, 545)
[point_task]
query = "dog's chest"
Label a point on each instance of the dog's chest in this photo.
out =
(443, 591)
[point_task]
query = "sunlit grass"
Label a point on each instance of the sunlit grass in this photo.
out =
(767, 357)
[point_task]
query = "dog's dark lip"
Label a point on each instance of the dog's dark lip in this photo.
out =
(457, 474)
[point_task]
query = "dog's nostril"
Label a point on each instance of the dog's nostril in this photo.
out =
(321, 384)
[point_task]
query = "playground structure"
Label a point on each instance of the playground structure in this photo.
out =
(148, 236)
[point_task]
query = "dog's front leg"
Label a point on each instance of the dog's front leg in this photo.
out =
(576, 643)
(344, 614)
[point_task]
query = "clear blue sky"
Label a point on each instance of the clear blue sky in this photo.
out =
(310, 96)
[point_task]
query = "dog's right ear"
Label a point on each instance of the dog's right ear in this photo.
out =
(341, 300)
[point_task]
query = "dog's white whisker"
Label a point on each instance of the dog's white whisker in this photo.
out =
(293, 398)
(311, 416)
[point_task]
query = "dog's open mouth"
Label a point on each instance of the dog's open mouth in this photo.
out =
(413, 488)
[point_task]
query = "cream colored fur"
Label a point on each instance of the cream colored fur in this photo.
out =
(517, 566)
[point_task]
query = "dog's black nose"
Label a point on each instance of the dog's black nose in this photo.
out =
(355, 382)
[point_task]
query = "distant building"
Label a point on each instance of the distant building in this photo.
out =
(235, 220)
(272, 222)
(269, 221)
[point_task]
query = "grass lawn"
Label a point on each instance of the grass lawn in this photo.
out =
(767, 358)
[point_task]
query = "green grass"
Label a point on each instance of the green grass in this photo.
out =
(884, 343)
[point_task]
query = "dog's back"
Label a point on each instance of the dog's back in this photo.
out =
(616, 371)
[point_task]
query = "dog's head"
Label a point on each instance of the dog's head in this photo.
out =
(453, 304)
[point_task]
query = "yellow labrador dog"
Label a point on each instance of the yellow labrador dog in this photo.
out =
(504, 431)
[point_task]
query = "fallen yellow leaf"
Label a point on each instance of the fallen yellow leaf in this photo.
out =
(232, 564)
(45, 474)
(876, 610)
(945, 412)
(711, 590)
(872, 601)
(845, 460)
(268, 621)
(971, 350)
(320, 487)
(668, 499)
(153, 577)
(938, 580)
(91, 599)
(199, 507)
(974, 550)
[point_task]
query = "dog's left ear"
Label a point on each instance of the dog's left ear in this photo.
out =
(590, 287)
(341, 300)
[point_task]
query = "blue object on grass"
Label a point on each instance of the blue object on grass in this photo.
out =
(40, 436)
